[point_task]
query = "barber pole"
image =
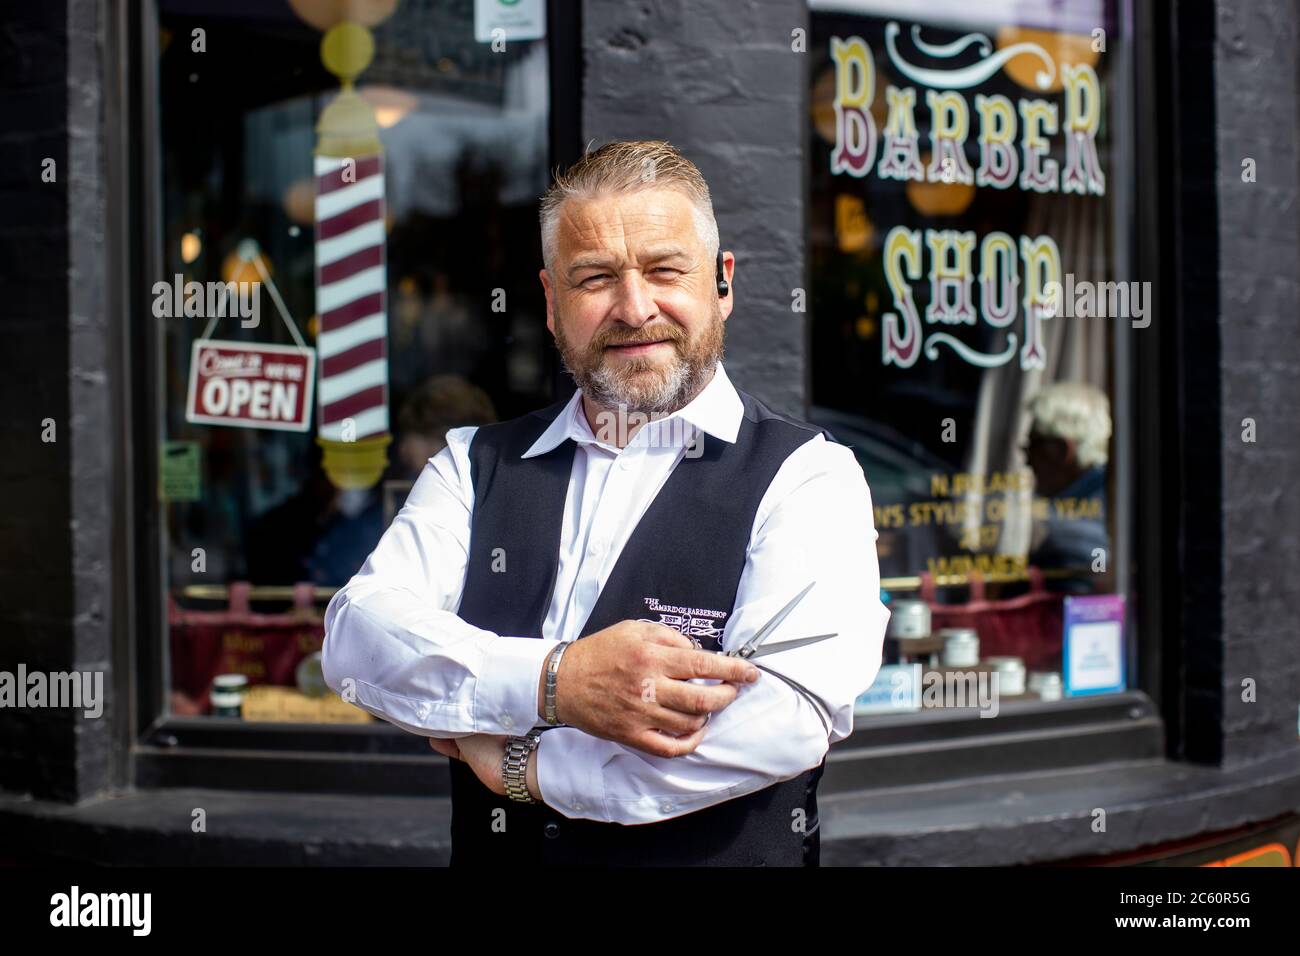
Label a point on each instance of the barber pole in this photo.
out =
(350, 287)
(351, 274)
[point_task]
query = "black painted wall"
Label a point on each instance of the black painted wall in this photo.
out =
(37, 750)
(1257, 104)
(56, 518)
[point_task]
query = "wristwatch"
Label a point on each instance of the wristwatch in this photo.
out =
(514, 765)
(552, 673)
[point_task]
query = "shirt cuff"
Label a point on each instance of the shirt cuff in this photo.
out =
(573, 787)
(505, 700)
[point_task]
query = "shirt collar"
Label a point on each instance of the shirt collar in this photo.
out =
(717, 410)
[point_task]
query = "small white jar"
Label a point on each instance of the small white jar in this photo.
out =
(227, 697)
(961, 647)
(1011, 674)
(1046, 684)
(909, 620)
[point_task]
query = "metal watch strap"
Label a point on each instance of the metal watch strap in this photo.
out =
(552, 674)
(514, 766)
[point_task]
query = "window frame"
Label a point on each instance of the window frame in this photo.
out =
(163, 749)
(1145, 364)
(160, 750)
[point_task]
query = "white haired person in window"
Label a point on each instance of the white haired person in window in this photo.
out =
(1067, 450)
(549, 606)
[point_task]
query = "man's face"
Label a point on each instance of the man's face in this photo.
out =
(634, 306)
(1052, 461)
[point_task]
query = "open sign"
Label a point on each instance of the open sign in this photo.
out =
(251, 386)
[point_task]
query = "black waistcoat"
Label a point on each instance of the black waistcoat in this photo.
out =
(686, 553)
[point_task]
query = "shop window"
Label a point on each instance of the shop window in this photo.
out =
(346, 209)
(969, 306)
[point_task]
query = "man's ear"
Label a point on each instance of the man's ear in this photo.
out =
(550, 300)
(729, 271)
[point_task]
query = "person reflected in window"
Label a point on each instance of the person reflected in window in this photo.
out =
(442, 403)
(433, 334)
(1067, 451)
(323, 534)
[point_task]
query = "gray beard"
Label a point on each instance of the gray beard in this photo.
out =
(607, 389)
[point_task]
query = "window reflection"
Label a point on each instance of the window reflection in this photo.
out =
(463, 136)
(962, 167)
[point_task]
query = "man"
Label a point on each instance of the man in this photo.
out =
(661, 516)
(1067, 450)
(432, 409)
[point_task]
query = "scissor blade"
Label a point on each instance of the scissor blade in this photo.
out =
(747, 648)
(790, 645)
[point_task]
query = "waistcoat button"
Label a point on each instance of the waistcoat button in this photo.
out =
(552, 830)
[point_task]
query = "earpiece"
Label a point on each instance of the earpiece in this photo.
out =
(723, 286)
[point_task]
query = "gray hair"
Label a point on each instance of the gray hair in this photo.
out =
(624, 167)
(1077, 411)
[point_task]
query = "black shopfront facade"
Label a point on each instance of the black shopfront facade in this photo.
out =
(182, 132)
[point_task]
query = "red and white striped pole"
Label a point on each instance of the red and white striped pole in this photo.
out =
(351, 274)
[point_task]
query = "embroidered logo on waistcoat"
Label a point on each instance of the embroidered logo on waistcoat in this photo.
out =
(692, 622)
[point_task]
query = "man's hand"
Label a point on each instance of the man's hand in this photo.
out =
(630, 683)
(483, 752)
(448, 748)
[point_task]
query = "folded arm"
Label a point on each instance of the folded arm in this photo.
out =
(815, 524)
(393, 643)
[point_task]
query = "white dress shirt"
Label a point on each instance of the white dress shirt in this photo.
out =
(393, 634)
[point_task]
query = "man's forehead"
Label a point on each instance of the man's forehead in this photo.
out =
(643, 217)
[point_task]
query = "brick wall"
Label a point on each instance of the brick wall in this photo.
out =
(56, 517)
(36, 589)
(1259, 293)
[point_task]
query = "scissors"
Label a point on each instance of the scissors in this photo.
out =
(751, 649)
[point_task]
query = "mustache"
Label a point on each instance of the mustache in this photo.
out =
(657, 333)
